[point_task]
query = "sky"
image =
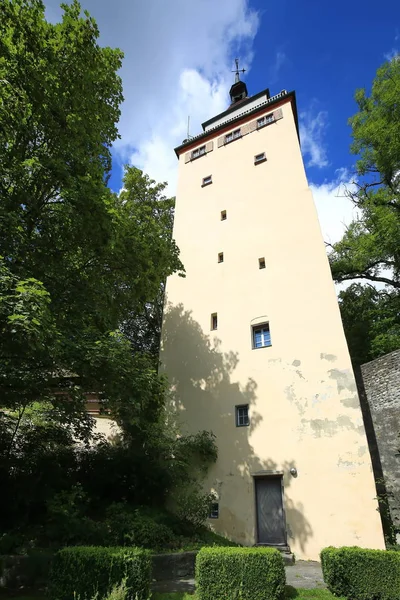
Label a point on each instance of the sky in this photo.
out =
(179, 55)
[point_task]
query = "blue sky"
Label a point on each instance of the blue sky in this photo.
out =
(178, 60)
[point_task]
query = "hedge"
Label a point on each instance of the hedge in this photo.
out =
(246, 573)
(84, 571)
(362, 574)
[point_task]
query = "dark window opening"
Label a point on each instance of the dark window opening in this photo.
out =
(261, 263)
(242, 415)
(214, 510)
(214, 321)
(221, 257)
(223, 215)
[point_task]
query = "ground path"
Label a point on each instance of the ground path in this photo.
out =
(303, 574)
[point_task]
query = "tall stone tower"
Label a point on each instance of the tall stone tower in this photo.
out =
(253, 343)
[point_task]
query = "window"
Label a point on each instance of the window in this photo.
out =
(206, 180)
(242, 415)
(214, 510)
(221, 257)
(262, 121)
(233, 135)
(259, 158)
(223, 215)
(214, 321)
(261, 336)
(261, 263)
(198, 152)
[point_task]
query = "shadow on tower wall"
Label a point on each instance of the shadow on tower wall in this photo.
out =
(201, 377)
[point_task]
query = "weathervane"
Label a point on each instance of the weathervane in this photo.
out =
(238, 71)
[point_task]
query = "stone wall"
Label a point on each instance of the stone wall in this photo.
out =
(381, 379)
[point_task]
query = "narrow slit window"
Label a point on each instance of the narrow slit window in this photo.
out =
(261, 263)
(221, 257)
(206, 180)
(259, 158)
(214, 510)
(223, 215)
(261, 336)
(242, 415)
(214, 321)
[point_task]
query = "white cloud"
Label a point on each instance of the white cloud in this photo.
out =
(394, 54)
(178, 61)
(312, 129)
(335, 209)
(280, 60)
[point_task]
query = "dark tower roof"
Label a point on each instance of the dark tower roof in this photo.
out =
(238, 91)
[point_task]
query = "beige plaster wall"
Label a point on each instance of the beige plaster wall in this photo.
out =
(304, 408)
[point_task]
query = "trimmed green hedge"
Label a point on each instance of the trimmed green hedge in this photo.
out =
(245, 573)
(84, 571)
(362, 574)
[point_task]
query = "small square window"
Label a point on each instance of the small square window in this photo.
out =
(261, 336)
(198, 152)
(233, 135)
(262, 121)
(259, 158)
(223, 215)
(214, 321)
(242, 415)
(206, 180)
(221, 257)
(214, 510)
(261, 263)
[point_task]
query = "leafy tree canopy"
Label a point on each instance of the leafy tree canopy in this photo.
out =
(370, 247)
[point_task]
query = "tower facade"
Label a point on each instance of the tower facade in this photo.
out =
(252, 339)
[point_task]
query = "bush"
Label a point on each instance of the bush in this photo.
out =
(245, 573)
(127, 527)
(84, 571)
(362, 574)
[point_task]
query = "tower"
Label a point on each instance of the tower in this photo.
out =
(252, 339)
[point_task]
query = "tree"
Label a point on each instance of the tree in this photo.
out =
(370, 247)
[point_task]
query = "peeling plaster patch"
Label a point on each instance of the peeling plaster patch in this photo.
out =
(299, 373)
(351, 402)
(296, 363)
(344, 380)
(275, 360)
(291, 396)
(329, 428)
(362, 450)
(330, 357)
(346, 464)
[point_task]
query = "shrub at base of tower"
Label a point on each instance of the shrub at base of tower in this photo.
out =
(245, 573)
(362, 574)
(86, 572)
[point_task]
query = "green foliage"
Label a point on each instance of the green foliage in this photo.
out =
(245, 573)
(370, 247)
(371, 319)
(84, 572)
(133, 528)
(362, 574)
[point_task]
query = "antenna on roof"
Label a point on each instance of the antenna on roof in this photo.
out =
(188, 136)
(238, 71)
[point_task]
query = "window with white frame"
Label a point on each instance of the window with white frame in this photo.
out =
(233, 135)
(261, 336)
(199, 152)
(262, 121)
(242, 415)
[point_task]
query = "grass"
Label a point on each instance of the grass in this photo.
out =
(290, 593)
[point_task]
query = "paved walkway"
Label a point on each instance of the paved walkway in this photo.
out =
(303, 574)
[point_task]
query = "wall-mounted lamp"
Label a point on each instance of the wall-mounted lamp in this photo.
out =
(293, 471)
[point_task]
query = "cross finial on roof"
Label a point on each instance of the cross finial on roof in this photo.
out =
(238, 71)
